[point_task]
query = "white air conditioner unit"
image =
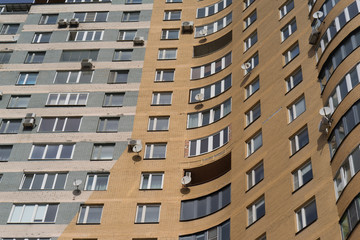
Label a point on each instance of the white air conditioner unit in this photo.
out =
(74, 22)
(187, 27)
(133, 142)
(315, 33)
(30, 116)
(62, 22)
(139, 41)
(86, 63)
(29, 122)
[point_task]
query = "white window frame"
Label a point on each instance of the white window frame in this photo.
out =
(34, 217)
(160, 73)
(79, 74)
(288, 54)
(123, 33)
(294, 141)
(283, 10)
(14, 101)
(7, 123)
(213, 27)
(162, 54)
(99, 156)
(165, 34)
(64, 124)
(251, 181)
(94, 183)
(105, 121)
(153, 122)
(126, 16)
(168, 15)
(250, 114)
(46, 149)
(38, 37)
(301, 216)
(298, 175)
(26, 78)
(210, 146)
(293, 110)
(144, 206)
(110, 96)
(67, 99)
(288, 27)
(249, 89)
(45, 18)
(250, 144)
(157, 96)
(95, 16)
(247, 20)
(247, 3)
(43, 181)
(30, 56)
(86, 215)
(84, 35)
(290, 80)
(252, 216)
(149, 150)
(150, 176)
(5, 151)
(250, 41)
(252, 63)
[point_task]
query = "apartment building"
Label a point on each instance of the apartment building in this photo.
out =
(179, 119)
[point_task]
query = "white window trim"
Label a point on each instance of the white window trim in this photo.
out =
(168, 15)
(43, 182)
(166, 31)
(287, 55)
(158, 94)
(290, 80)
(148, 187)
(36, 206)
(283, 10)
(161, 71)
(41, 35)
(46, 149)
(249, 42)
(301, 216)
(155, 119)
(252, 210)
(298, 174)
(247, 20)
(86, 215)
(67, 100)
(251, 175)
(250, 144)
(84, 37)
(56, 121)
(288, 27)
(292, 110)
(151, 146)
(162, 53)
(144, 213)
(78, 76)
(250, 114)
(93, 185)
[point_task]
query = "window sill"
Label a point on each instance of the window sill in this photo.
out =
(146, 222)
(87, 223)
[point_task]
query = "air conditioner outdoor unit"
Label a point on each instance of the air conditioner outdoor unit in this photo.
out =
(30, 116)
(62, 22)
(74, 22)
(133, 142)
(187, 27)
(29, 122)
(139, 41)
(314, 36)
(86, 63)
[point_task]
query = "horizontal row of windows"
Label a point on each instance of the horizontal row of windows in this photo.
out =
(336, 25)
(348, 169)
(350, 218)
(211, 68)
(221, 231)
(205, 30)
(345, 48)
(345, 125)
(212, 9)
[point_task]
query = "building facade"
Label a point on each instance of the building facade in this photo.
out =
(179, 119)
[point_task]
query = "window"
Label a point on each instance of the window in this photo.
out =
(27, 78)
(289, 29)
(300, 140)
(96, 181)
(120, 76)
(91, 16)
(221, 231)
(172, 15)
(155, 151)
(158, 123)
(286, 8)
(350, 218)
(302, 175)
(203, 118)
(161, 98)
(173, 1)
(149, 213)
(60, 124)
(211, 68)
(21, 101)
(247, 3)
(43, 37)
(130, 17)
(5, 151)
(205, 205)
(212, 90)
(90, 214)
(209, 143)
(67, 99)
(250, 19)
(10, 125)
(296, 109)
(123, 55)
(126, 35)
(63, 77)
(252, 87)
(151, 181)
(290, 54)
(48, 19)
(254, 61)
(213, 27)
(133, 1)
(52, 151)
(262, 237)
(306, 215)
(256, 210)
(255, 175)
(113, 99)
(103, 151)
(253, 114)
(212, 9)
(108, 124)
(35, 57)
(78, 55)
(33, 213)
(43, 181)
(167, 54)
(81, 36)
(250, 41)
(294, 79)
(9, 29)
(254, 143)
(170, 34)
(166, 75)
(5, 57)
